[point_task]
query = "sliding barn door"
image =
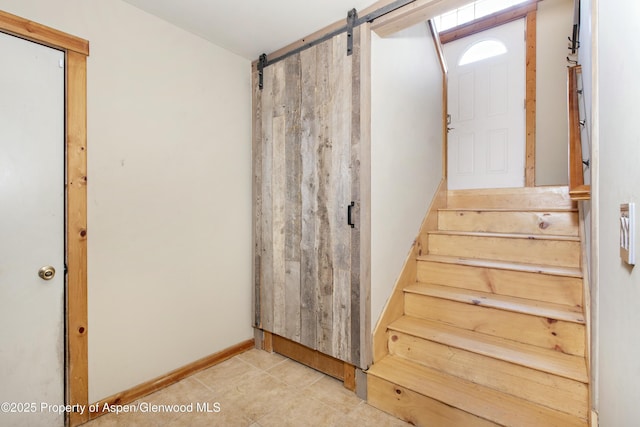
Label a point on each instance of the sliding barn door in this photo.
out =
(311, 217)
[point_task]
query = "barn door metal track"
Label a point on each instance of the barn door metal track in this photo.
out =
(353, 21)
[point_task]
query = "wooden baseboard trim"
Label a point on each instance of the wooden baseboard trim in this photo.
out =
(349, 380)
(331, 366)
(146, 388)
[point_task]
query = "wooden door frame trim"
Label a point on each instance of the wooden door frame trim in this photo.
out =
(530, 98)
(437, 42)
(76, 51)
(487, 22)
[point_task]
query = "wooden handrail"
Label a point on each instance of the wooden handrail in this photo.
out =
(578, 190)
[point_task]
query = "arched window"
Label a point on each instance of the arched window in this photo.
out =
(482, 50)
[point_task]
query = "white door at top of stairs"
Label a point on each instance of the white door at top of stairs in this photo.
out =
(486, 95)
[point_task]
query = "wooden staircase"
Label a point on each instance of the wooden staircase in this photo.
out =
(493, 329)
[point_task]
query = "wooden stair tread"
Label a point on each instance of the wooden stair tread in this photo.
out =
(546, 360)
(503, 265)
(485, 402)
(506, 235)
(507, 303)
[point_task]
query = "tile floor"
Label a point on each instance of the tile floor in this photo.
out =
(255, 389)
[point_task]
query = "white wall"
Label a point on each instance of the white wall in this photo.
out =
(406, 150)
(618, 176)
(169, 187)
(555, 22)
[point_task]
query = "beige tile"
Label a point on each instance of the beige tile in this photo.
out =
(302, 410)
(257, 389)
(186, 391)
(206, 419)
(366, 415)
(261, 359)
(256, 396)
(221, 377)
(295, 374)
(332, 393)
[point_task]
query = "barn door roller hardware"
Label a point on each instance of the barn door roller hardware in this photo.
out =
(262, 62)
(352, 17)
(353, 21)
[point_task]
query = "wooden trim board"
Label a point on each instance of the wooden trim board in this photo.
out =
(487, 22)
(586, 304)
(328, 365)
(445, 94)
(530, 99)
(76, 50)
(364, 123)
(76, 218)
(30, 30)
(256, 206)
(146, 388)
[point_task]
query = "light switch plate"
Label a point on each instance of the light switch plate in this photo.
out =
(627, 232)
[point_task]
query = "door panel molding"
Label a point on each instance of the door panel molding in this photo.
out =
(76, 50)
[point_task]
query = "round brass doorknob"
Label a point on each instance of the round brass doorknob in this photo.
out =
(47, 273)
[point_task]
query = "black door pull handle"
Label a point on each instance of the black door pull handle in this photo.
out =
(349, 219)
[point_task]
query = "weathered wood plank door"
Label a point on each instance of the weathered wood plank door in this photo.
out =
(311, 161)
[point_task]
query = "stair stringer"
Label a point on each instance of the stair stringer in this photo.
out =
(586, 302)
(394, 307)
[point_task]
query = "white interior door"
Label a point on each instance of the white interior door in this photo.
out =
(31, 233)
(486, 106)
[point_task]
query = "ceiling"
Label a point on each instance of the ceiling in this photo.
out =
(251, 27)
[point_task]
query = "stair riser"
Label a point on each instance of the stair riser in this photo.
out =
(549, 223)
(539, 387)
(534, 286)
(560, 253)
(417, 409)
(511, 198)
(558, 335)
